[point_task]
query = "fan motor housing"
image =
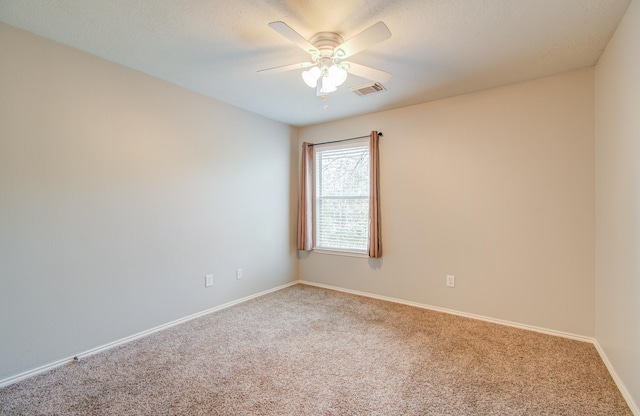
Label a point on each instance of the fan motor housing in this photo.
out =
(326, 42)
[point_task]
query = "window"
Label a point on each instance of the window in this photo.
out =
(341, 203)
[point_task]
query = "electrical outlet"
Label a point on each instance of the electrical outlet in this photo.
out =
(451, 280)
(208, 280)
(238, 274)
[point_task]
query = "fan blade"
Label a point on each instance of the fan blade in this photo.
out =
(368, 37)
(293, 36)
(288, 67)
(368, 72)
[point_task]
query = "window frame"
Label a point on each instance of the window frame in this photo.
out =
(362, 142)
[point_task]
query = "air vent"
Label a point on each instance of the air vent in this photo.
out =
(368, 89)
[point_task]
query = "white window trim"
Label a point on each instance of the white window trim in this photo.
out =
(333, 251)
(346, 253)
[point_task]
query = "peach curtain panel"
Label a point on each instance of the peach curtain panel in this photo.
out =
(375, 241)
(305, 241)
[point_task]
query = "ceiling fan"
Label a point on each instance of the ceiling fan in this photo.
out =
(328, 69)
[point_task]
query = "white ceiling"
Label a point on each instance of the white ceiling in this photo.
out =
(438, 48)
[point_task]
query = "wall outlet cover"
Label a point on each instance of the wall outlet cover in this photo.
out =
(451, 280)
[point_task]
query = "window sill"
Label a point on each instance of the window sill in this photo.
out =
(341, 253)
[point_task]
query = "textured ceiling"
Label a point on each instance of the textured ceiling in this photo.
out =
(438, 48)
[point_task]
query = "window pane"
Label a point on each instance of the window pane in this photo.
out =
(343, 223)
(342, 198)
(344, 172)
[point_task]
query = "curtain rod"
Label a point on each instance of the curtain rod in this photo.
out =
(344, 140)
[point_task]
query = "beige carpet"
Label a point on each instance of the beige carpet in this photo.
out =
(310, 351)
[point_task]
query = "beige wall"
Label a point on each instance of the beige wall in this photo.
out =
(617, 94)
(118, 193)
(496, 188)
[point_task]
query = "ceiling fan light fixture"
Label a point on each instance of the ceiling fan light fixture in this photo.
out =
(337, 74)
(326, 85)
(311, 76)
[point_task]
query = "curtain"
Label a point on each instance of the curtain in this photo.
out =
(304, 204)
(375, 241)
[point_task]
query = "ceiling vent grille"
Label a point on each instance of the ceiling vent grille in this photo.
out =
(368, 89)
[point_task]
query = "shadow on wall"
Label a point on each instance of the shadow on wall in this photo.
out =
(376, 264)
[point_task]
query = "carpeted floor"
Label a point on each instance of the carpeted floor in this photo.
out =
(309, 351)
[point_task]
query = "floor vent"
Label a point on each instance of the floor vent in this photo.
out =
(368, 89)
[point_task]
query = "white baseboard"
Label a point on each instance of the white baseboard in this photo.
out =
(453, 312)
(623, 390)
(50, 366)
